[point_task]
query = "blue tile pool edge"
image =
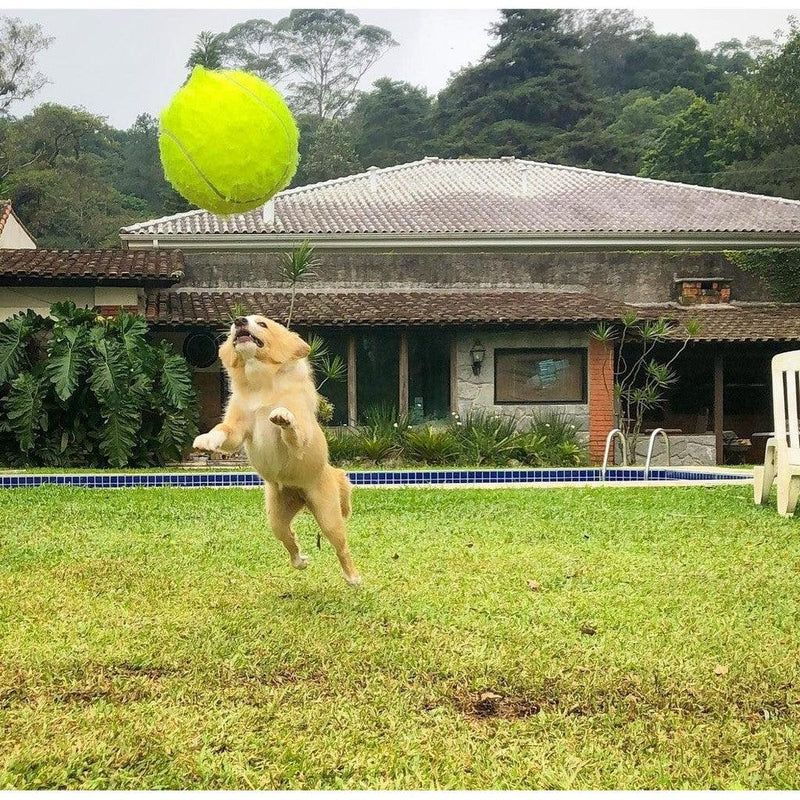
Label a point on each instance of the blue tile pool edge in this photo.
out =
(386, 478)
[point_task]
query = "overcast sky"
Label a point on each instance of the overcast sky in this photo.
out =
(121, 63)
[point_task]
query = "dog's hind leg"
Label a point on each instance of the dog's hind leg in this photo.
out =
(325, 503)
(282, 507)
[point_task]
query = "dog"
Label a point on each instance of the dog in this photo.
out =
(272, 411)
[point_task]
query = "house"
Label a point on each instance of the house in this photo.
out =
(457, 285)
(454, 285)
(13, 234)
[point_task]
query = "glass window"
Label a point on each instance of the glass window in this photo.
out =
(540, 376)
(428, 375)
(377, 370)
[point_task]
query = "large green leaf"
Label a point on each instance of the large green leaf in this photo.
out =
(68, 357)
(14, 335)
(132, 329)
(118, 437)
(176, 381)
(109, 378)
(24, 408)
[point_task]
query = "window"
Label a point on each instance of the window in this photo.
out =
(540, 376)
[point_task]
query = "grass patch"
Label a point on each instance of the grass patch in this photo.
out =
(570, 639)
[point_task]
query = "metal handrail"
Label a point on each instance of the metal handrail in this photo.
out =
(609, 439)
(650, 449)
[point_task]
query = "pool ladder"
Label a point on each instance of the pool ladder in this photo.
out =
(624, 444)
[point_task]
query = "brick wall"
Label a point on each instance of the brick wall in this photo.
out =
(601, 397)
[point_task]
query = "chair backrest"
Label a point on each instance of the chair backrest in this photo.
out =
(785, 406)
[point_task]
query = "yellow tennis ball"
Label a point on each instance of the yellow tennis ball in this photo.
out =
(228, 141)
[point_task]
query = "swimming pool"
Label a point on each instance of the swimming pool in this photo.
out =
(587, 476)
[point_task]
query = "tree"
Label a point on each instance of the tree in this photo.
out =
(683, 152)
(393, 123)
(327, 52)
(256, 47)
(19, 46)
(207, 51)
(527, 89)
(140, 173)
(61, 164)
(331, 154)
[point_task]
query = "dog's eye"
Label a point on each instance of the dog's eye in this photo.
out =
(263, 324)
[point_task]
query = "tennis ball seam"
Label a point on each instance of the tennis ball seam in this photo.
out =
(287, 133)
(200, 172)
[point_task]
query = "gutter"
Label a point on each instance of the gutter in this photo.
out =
(457, 242)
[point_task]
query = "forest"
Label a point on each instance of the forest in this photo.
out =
(587, 88)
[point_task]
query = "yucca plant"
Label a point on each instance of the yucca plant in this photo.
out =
(375, 446)
(431, 445)
(83, 390)
(486, 438)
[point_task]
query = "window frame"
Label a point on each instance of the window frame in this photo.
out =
(583, 352)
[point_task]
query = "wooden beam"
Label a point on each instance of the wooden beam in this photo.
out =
(719, 411)
(454, 372)
(403, 373)
(352, 406)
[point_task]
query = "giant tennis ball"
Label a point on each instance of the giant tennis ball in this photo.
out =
(228, 142)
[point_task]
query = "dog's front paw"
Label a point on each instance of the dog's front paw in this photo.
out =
(300, 561)
(282, 417)
(212, 440)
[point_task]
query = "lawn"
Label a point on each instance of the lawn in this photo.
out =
(571, 639)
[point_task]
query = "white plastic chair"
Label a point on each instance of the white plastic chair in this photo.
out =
(782, 457)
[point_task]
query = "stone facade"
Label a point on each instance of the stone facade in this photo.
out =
(632, 277)
(685, 450)
(476, 392)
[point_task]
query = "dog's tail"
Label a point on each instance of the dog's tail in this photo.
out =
(345, 489)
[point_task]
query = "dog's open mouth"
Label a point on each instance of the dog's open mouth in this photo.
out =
(242, 336)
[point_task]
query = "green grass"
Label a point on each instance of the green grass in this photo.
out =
(157, 639)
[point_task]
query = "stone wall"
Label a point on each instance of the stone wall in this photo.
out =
(685, 450)
(636, 277)
(476, 392)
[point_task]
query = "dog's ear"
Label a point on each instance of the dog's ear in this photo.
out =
(227, 354)
(285, 345)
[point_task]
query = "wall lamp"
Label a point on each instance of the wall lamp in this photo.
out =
(477, 353)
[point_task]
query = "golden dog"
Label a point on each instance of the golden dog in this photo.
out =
(272, 412)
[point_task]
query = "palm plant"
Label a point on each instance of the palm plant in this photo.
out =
(640, 384)
(296, 266)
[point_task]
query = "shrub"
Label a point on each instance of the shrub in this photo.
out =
(376, 446)
(486, 438)
(551, 441)
(78, 389)
(343, 445)
(431, 445)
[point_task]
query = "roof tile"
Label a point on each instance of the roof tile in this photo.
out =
(494, 196)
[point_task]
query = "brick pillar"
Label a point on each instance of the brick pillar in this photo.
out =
(601, 397)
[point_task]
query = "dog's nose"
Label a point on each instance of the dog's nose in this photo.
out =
(240, 322)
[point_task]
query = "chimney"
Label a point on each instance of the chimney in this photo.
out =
(525, 176)
(268, 212)
(373, 178)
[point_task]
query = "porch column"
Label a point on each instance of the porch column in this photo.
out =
(454, 372)
(719, 410)
(352, 409)
(601, 396)
(403, 373)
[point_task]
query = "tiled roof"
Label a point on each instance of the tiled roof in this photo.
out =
(382, 308)
(494, 196)
(5, 213)
(106, 266)
(735, 322)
